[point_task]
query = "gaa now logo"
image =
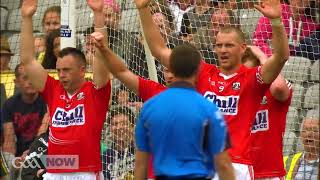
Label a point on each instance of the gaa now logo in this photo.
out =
(49, 161)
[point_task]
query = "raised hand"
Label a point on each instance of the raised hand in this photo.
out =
(95, 5)
(28, 8)
(98, 39)
(141, 3)
(270, 8)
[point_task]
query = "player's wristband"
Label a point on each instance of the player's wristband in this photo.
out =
(276, 22)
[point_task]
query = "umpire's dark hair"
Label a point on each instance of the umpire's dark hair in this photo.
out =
(184, 60)
(76, 53)
(116, 110)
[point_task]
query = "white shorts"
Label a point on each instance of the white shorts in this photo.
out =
(273, 178)
(241, 171)
(73, 176)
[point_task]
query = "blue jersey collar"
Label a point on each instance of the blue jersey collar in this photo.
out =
(182, 84)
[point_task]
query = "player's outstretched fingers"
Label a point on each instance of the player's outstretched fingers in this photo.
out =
(270, 8)
(28, 8)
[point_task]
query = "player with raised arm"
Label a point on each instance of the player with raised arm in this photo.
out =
(144, 88)
(77, 107)
(231, 86)
(270, 121)
(161, 132)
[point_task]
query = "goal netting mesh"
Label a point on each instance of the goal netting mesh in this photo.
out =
(194, 21)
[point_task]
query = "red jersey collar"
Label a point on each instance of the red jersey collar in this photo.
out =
(226, 77)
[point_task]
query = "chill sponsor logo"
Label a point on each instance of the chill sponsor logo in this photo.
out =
(72, 117)
(261, 122)
(228, 105)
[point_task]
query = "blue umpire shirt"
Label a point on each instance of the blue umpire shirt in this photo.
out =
(183, 131)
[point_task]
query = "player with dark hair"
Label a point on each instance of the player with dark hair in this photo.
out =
(142, 87)
(77, 107)
(161, 131)
(231, 86)
(270, 121)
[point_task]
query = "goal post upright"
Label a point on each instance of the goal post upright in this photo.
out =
(68, 23)
(152, 71)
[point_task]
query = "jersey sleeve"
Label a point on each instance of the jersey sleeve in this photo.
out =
(288, 102)
(256, 83)
(204, 68)
(141, 137)
(218, 136)
(48, 90)
(104, 92)
(148, 88)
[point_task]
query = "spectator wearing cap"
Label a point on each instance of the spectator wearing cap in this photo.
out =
(5, 54)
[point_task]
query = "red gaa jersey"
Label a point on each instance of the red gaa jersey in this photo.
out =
(148, 89)
(76, 123)
(267, 134)
(238, 97)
